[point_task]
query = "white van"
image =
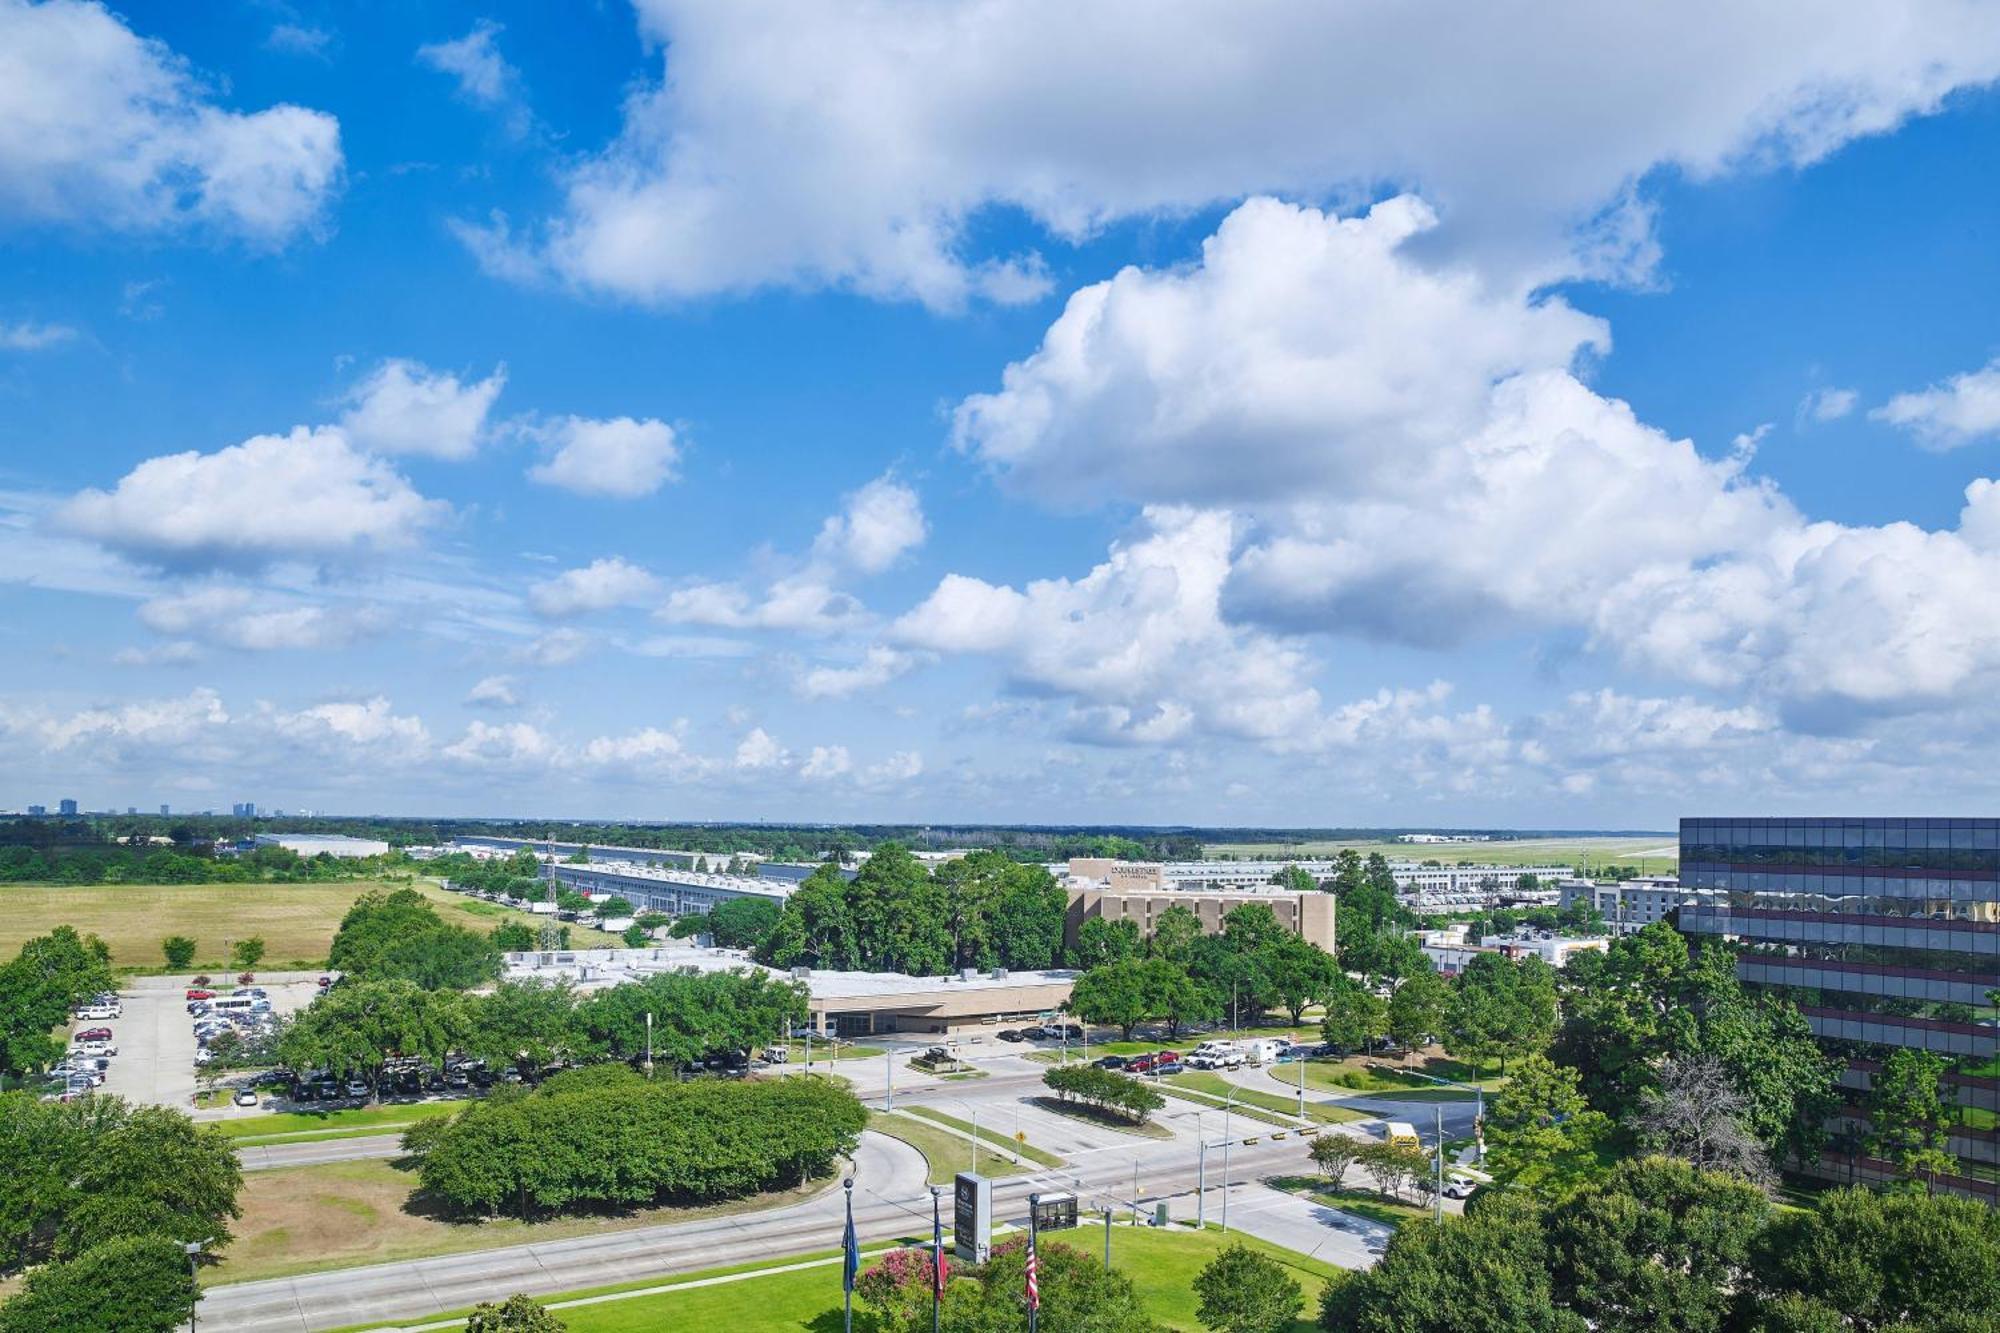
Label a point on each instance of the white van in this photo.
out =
(1260, 1050)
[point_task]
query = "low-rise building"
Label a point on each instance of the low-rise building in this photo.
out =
(1634, 904)
(323, 844)
(1308, 915)
(661, 888)
(1452, 947)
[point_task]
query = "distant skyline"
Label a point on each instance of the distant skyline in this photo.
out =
(1319, 415)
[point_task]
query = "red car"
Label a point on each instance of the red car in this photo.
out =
(94, 1034)
(1154, 1063)
(1165, 1058)
(197, 993)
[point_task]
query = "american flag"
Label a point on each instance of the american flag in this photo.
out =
(1034, 1291)
(939, 1267)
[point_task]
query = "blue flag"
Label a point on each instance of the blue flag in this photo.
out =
(851, 1252)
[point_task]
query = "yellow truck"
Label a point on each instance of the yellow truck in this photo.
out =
(1401, 1134)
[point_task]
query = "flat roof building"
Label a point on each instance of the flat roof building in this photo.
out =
(327, 844)
(1308, 915)
(662, 888)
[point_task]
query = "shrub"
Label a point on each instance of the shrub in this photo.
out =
(178, 950)
(1243, 1291)
(516, 1314)
(1105, 1090)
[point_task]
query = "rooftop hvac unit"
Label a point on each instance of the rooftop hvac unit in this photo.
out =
(801, 973)
(998, 974)
(968, 974)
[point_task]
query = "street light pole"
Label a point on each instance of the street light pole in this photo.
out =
(1302, 1087)
(937, 1255)
(888, 1081)
(1228, 1105)
(649, 1045)
(1200, 1174)
(192, 1249)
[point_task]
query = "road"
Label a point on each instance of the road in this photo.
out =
(274, 1156)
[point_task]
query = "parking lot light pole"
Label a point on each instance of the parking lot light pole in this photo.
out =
(649, 1045)
(1227, 1106)
(888, 1081)
(1302, 1087)
(193, 1250)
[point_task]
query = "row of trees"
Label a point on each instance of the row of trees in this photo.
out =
(1659, 1244)
(982, 910)
(1394, 1169)
(357, 1028)
(605, 1137)
(1104, 1090)
(96, 863)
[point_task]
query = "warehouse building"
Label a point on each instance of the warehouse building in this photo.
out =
(323, 844)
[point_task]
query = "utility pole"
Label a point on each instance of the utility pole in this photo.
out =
(1439, 1108)
(649, 1045)
(1227, 1106)
(1200, 1175)
(888, 1081)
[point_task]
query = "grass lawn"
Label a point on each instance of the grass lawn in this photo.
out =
(296, 921)
(1361, 1202)
(822, 1052)
(947, 1153)
(806, 1299)
(1090, 1115)
(1358, 1074)
(1039, 1156)
(307, 1126)
(341, 1214)
(1201, 1080)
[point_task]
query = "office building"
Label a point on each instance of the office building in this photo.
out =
(1309, 915)
(1633, 904)
(37, 811)
(66, 806)
(165, 810)
(1886, 934)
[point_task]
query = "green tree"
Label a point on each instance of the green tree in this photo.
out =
(51, 975)
(1078, 1295)
(742, 923)
(1500, 1006)
(1301, 973)
(1173, 995)
(400, 936)
(1174, 934)
(1116, 993)
(635, 936)
(513, 937)
(249, 952)
(1907, 1110)
(516, 1314)
(1656, 1244)
(1541, 1133)
(178, 950)
(1872, 1262)
(1333, 1154)
(1485, 1273)
(1296, 878)
(129, 1284)
(356, 1027)
(1099, 942)
(1242, 1291)
(1416, 1008)
(1355, 1015)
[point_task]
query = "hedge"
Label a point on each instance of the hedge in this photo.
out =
(1104, 1089)
(630, 1143)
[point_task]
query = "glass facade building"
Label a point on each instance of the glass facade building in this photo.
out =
(1885, 933)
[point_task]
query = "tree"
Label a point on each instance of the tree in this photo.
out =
(513, 937)
(1355, 1015)
(1078, 1295)
(130, 1284)
(516, 1314)
(1501, 1006)
(1542, 1133)
(50, 976)
(356, 1027)
(1174, 934)
(1301, 973)
(178, 950)
(400, 936)
(1696, 1115)
(1416, 1008)
(248, 953)
(1658, 1243)
(1333, 1153)
(1485, 1273)
(1243, 1291)
(1116, 993)
(635, 936)
(1871, 1262)
(1296, 878)
(1099, 942)
(1174, 996)
(741, 923)
(1906, 1107)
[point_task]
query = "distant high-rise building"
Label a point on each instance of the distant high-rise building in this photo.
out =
(66, 806)
(244, 810)
(38, 810)
(131, 809)
(165, 810)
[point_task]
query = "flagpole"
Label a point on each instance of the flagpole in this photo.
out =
(937, 1256)
(1034, 1280)
(850, 1256)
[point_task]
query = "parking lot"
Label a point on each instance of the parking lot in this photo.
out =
(155, 1036)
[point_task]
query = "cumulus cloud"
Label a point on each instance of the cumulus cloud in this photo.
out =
(878, 524)
(104, 128)
(621, 457)
(802, 603)
(598, 586)
(759, 750)
(307, 495)
(405, 407)
(852, 146)
(1964, 409)
(234, 617)
(1829, 404)
(483, 75)
(502, 745)
(559, 647)
(370, 725)
(877, 668)
(827, 762)
(493, 692)
(112, 730)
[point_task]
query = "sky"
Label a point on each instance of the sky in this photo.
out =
(1320, 413)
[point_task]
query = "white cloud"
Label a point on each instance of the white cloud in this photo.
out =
(369, 725)
(299, 39)
(234, 617)
(405, 407)
(503, 745)
(141, 723)
(1964, 409)
(175, 652)
(827, 762)
(483, 75)
(801, 603)
(1829, 404)
(880, 666)
(853, 145)
(101, 127)
(559, 647)
(306, 495)
(619, 457)
(598, 586)
(880, 522)
(901, 766)
(758, 750)
(28, 336)
(650, 753)
(493, 692)
(691, 646)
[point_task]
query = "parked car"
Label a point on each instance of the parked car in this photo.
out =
(777, 1055)
(1010, 1034)
(325, 982)
(200, 993)
(1166, 1060)
(1141, 1064)
(1073, 1031)
(1458, 1185)
(97, 1011)
(1036, 1033)
(99, 1047)
(1112, 1062)
(258, 991)
(94, 1034)
(356, 1088)
(244, 1097)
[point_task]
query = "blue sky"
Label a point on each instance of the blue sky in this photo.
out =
(977, 411)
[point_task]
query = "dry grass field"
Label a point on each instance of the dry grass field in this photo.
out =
(308, 1218)
(1658, 853)
(296, 921)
